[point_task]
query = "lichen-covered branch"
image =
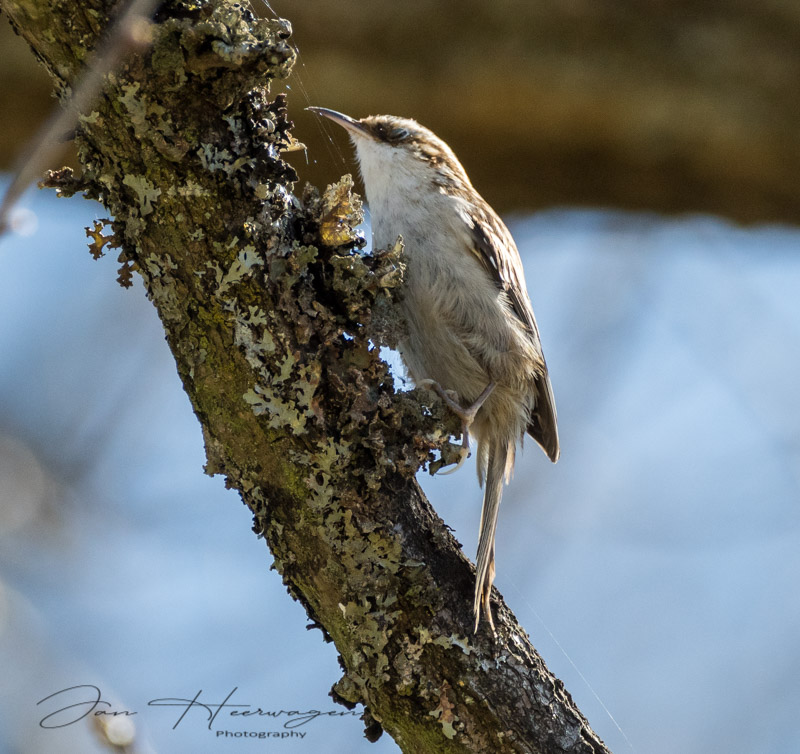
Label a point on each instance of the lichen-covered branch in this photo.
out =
(273, 316)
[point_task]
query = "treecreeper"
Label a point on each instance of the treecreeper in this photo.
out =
(472, 336)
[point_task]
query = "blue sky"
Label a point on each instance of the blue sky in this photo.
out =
(656, 565)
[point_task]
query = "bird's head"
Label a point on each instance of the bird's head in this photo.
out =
(390, 146)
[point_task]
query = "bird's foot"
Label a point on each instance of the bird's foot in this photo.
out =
(467, 415)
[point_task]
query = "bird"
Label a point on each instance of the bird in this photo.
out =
(472, 335)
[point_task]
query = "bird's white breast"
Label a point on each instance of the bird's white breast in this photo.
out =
(450, 301)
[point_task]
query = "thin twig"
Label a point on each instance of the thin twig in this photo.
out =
(130, 32)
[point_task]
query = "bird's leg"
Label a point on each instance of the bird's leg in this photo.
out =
(467, 415)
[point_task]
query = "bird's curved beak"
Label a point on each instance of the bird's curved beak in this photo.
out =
(345, 121)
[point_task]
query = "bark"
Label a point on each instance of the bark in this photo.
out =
(273, 316)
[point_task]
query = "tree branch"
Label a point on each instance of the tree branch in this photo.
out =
(272, 315)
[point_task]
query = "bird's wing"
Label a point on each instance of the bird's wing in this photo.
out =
(489, 235)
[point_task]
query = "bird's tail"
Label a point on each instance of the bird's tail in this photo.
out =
(497, 463)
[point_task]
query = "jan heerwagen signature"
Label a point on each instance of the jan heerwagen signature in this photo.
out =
(69, 705)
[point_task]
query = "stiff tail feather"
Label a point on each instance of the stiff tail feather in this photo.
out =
(497, 463)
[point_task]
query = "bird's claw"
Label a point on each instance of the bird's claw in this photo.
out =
(463, 454)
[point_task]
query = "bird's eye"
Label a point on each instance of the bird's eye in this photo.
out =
(399, 133)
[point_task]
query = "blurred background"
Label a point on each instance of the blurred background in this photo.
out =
(646, 157)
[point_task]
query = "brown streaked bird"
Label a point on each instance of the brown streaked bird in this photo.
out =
(471, 329)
